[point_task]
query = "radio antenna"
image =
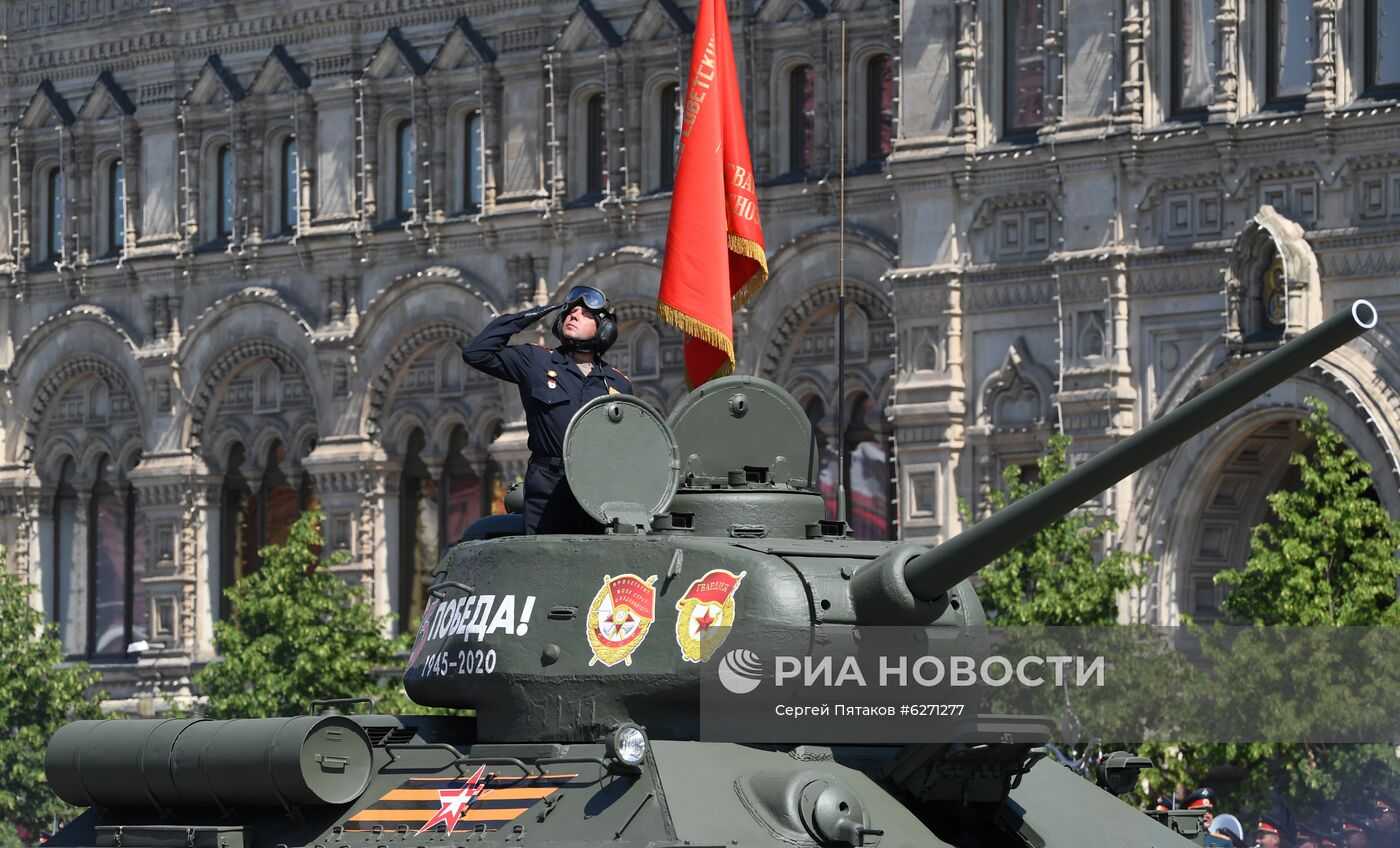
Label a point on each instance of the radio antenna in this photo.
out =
(841, 306)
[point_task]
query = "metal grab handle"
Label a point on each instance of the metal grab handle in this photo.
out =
(331, 702)
(497, 761)
(437, 589)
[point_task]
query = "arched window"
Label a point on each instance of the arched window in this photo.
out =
(291, 181)
(1382, 46)
(116, 206)
(802, 118)
(857, 334)
(434, 515)
(472, 182)
(825, 451)
(279, 502)
(1193, 56)
(1290, 51)
(647, 360)
(54, 215)
(404, 168)
(238, 543)
(418, 532)
(251, 521)
(595, 140)
(879, 107)
(668, 117)
(65, 521)
(1023, 72)
(464, 493)
(223, 178)
(117, 564)
(870, 499)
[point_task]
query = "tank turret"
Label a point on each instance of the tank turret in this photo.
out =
(562, 638)
(583, 658)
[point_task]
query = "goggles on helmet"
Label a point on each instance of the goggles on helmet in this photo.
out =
(589, 297)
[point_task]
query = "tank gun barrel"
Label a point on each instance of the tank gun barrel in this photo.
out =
(933, 573)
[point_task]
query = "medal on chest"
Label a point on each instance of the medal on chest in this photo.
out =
(551, 375)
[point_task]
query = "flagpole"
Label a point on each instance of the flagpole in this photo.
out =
(841, 307)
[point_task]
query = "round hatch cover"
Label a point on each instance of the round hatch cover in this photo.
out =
(739, 422)
(620, 459)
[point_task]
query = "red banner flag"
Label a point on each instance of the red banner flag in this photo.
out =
(715, 260)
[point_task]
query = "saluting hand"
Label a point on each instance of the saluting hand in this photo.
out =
(534, 314)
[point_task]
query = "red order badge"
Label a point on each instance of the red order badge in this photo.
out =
(619, 618)
(706, 614)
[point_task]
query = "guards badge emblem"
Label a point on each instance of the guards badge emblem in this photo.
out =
(706, 614)
(622, 612)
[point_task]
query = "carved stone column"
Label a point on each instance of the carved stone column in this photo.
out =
(80, 186)
(760, 55)
(1130, 108)
(367, 150)
(306, 161)
(358, 487)
(1324, 64)
(182, 505)
(74, 597)
(965, 57)
(1227, 82)
(1054, 65)
(437, 195)
(255, 159)
(26, 531)
(928, 412)
(491, 136)
(242, 162)
(633, 148)
(131, 175)
(9, 185)
(23, 166)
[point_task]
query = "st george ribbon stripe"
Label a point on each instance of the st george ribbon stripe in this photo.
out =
(417, 800)
(420, 816)
(486, 795)
(483, 803)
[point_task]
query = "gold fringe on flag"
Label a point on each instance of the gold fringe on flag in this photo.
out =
(694, 327)
(749, 248)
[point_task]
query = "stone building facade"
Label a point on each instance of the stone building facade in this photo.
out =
(240, 245)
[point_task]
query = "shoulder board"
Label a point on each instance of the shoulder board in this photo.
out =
(620, 374)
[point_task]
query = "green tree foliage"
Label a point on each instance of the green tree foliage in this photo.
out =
(38, 695)
(298, 632)
(1328, 554)
(1054, 578)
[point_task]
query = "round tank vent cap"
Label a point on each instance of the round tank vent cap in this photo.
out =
(621, 460)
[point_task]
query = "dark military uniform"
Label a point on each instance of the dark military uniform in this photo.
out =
(552, 388)
(1385, 829)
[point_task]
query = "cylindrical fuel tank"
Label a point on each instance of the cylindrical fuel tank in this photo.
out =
(255, 762)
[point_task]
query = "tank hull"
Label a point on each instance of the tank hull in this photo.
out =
(432, 783)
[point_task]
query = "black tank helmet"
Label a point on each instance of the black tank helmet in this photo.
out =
(597, 303)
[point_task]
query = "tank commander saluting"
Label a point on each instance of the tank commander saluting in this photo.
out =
(554, 384)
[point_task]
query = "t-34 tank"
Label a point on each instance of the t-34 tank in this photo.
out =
(584, 659)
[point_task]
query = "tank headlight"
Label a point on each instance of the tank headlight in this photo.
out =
(628, 745)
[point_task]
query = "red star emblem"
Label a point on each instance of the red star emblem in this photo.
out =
(455, 802)
(703, 622)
